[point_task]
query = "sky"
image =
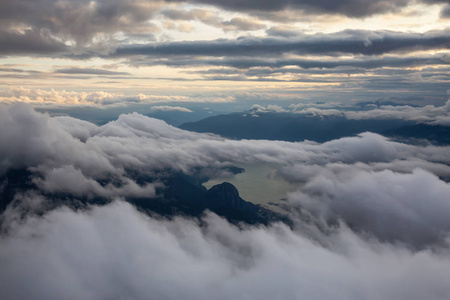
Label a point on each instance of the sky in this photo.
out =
(110, 52)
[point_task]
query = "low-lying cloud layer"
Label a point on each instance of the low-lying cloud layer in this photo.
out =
(429, 114)
(76, 98)
(114, 252)
(138, 143)
(369, 216)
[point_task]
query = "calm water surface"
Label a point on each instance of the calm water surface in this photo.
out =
(259, 184)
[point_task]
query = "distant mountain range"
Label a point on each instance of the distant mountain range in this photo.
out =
(299, 127)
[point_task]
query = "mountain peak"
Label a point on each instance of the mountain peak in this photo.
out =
(224, 195)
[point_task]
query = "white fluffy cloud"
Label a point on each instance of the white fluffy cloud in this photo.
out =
(411, 208)
(370, 216)
(89, 153)
(66, 155)
(114, 252)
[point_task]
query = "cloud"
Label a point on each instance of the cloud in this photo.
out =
(205, 16)
(180, 26)
(89, 71)
(77, 159)
(83, 22)
(170, 108)
(30, 139)
(283, 31)
(98, 98)
(369, 216)
(179, 14)
(81, 29)
(411, 208)
(309, 65)
(116, 252)
(79, 129)
(437, 115)
(270, 108)
(350, 8)
(428, 114)
(72, 181)
(345, 42)
(122, 144)
(445, 13)
(52, 96)
(241, 24)
(30, 42)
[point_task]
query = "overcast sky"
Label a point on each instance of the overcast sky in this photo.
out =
(224, 51)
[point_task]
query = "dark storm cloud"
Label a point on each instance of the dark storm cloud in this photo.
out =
(344, 42)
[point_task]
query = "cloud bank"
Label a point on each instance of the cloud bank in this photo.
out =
(97, 98)
(115, 252)
(369, 216)
(429, 114)
(138, 143)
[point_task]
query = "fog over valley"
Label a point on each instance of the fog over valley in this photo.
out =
(119, 210)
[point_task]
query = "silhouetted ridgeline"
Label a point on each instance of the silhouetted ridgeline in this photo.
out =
(299, 127)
